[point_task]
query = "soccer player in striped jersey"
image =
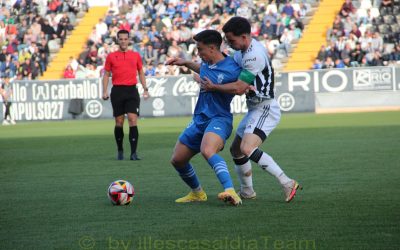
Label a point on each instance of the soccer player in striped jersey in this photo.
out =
(257, 81)
(212, 120)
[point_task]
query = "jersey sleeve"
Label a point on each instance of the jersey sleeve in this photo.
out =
(246, 76)
(252, 64)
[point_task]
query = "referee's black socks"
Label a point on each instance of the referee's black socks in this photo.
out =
(133, 138)
(119, 137)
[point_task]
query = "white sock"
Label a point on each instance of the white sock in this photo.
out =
(198, 189)
(268, 164)
(245, 177)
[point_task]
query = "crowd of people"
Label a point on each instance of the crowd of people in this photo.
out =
(27, 27)
(356, 38)
(164, 29)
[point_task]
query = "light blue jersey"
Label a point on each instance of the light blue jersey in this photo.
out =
(213, 103)
(212, 111)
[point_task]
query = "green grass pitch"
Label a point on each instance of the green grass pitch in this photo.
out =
(54, 178)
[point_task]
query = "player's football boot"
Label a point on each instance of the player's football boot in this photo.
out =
(135, 157)
(193, 196)
(230, 196)
(290, 189)
(248, 196)
(120, 155)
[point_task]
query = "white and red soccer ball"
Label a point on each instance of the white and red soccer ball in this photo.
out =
(121, 192)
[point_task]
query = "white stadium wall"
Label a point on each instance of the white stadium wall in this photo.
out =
(322, 91)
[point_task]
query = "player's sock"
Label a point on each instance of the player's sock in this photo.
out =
(119, 137)
(243, 170)
(220, 168)
(268, 164)
(133, 138)
(189, 176)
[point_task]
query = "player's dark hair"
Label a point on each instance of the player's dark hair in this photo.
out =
(122, 32)
(238, 26)
(209, 37)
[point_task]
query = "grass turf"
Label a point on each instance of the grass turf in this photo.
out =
(54, 178)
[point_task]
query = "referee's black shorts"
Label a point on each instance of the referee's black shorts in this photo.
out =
(125, 99)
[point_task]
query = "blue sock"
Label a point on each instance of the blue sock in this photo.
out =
(220, 168)
(189, 176)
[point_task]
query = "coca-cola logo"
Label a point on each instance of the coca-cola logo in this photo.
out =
(185, 86)
(155, 86)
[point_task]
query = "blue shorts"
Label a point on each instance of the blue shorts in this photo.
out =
(194, 132)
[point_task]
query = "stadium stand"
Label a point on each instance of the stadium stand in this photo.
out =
(73, 45)
(39, 41)
(364, 33)
(313, 36)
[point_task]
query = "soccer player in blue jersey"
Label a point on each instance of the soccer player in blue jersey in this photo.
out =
(212, 120)
(257, 81)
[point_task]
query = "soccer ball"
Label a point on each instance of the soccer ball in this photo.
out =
(120, 192)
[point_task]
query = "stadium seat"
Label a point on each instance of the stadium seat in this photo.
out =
(395, 28)
(384, 28)
(377, 21)
(389, 19)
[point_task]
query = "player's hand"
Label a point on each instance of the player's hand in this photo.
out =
(175, 61)
(196, 78)
(146, 94)
(105, 96)
(207, 84)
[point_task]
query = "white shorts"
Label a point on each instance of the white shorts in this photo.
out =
(260, 119)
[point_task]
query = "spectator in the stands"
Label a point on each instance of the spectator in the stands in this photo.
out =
(377, 59)
(377, 42)
(356, 55)
(317, 64)
(161, 69)
(332, 52)
(339, 64)
(8, 65)
(25, 71)
(150, 70)
(347, 8)
(36, 70)
(288, 9)
(150, 55)
(280, 27)
(244, 10)
(322, 54)
(3, 54)
(48, 30)
(328, 64)
(268, 29)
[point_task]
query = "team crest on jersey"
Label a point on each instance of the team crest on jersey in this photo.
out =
(220, 78)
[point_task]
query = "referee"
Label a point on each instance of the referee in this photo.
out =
(124, 65)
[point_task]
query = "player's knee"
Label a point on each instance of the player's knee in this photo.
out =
(119, 122)
(207, 152)
(235, 152)
(246, 149)
(176, 161)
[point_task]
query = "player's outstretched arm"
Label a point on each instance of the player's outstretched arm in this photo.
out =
(236, 88)
(182, 62)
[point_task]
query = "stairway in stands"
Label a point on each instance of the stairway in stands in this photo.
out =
(74, 43)
(314, 35)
